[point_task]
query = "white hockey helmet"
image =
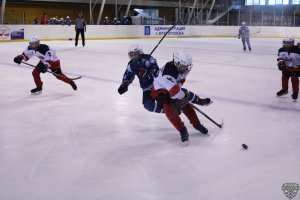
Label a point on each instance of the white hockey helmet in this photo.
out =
(34, 42)
(135, 51)
(288, 42)
(183, 61)
(243, 23)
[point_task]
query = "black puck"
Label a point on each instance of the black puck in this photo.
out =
(245, 146)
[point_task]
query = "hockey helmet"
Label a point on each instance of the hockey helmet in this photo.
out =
(135, 52)
(288, 42)
(34, 42)
(183, 61)
(243, 23)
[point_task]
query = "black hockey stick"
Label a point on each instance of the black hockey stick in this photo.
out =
(162, 38)
(55, 74)
(205, 115)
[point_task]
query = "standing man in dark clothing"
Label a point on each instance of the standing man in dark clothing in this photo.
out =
(80, 27)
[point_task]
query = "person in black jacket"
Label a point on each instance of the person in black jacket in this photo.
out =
(80, 27)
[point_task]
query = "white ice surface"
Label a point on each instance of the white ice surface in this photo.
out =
(94, 144)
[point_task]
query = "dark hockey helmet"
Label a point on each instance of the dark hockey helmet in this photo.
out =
(183, 61)
(288, 42)
(135, 52)
(34, 42)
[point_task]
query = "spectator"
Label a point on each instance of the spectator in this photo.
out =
(44, 19)
(125, 20)
(62, 21)
(106, 21)
(115, 21)
(36, 21)
(80, 27)
(68, 21)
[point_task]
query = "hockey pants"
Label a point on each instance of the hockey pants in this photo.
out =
(173, 115)
(55, 69)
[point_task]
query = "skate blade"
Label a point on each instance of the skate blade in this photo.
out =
(36, 93)
(186, 143)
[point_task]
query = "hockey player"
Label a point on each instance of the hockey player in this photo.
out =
(244, 35)
(168, 92)
(48, 60)
(289, 63)
(145, 67)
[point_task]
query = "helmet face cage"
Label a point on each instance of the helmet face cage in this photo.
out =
(135, 52)
(243, 23)
(34, 42)
(288, 42)
(183, 61)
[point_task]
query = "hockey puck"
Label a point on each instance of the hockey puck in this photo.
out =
(245, 146)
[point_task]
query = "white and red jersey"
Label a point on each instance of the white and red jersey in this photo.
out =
(171, 80)
(46, 54)
(291, 57)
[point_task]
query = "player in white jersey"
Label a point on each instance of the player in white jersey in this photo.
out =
(167, 91)
(48, 60)
(289, 63)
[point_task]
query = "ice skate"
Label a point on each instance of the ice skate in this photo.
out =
(281, 93)
(74, 86)
(36, 90)
(201, 128)
(184, 136)
(295, 96)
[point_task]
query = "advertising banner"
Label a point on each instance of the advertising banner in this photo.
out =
(11, 32)
(161, 30)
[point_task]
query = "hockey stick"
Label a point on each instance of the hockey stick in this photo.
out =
(205, 115)
(255, 32)
(162, 38)
(55, 74)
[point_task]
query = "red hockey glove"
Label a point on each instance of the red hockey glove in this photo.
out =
(18, 59)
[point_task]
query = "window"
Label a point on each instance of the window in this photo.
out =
(271, 2)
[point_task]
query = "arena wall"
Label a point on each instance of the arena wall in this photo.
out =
(59, 32)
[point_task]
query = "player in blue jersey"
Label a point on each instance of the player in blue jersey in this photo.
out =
(145, 67)
(244, 35)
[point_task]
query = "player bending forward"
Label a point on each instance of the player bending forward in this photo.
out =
(48, 60)
(168, 92)
(145, 67)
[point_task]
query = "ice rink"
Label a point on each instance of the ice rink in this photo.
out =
(94, 144)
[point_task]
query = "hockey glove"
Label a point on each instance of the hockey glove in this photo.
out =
(123, 88)
(182, 103)
(18, 59)
(42, 67)
(239, 37)
(281, 65)
(204, 102)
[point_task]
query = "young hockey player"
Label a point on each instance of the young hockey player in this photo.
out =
(167, 91)
(48, 60)
(244, 35)
(289, 63)
(145, 67)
